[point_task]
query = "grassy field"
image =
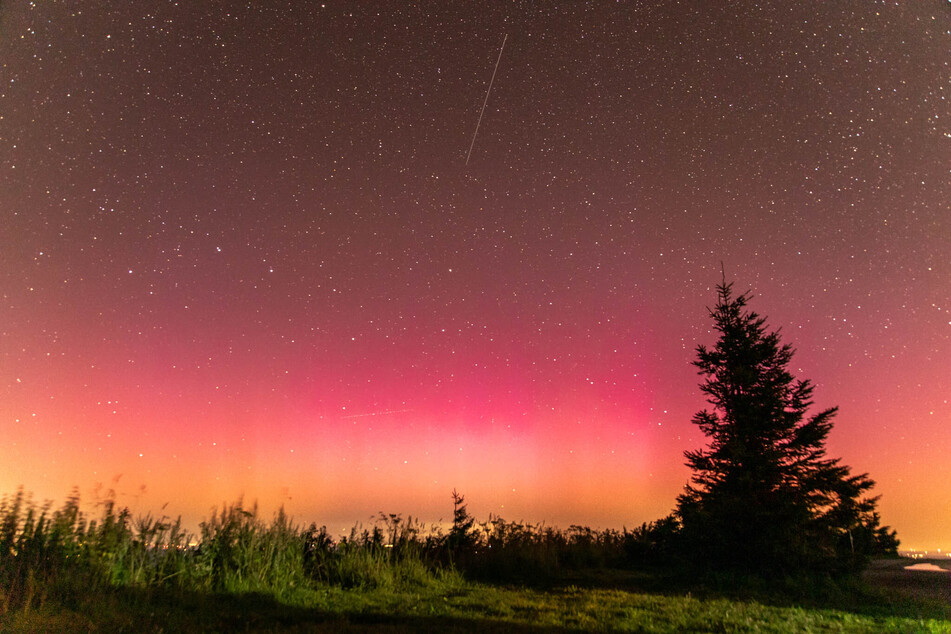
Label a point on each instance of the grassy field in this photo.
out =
(463, 606)
(63, 572)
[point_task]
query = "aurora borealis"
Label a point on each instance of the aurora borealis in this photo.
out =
(241, 252)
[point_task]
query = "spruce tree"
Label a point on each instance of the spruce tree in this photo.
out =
(764, 498)
(462, 534)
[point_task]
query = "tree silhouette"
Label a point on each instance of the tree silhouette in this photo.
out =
(462, 535)
(763, 497)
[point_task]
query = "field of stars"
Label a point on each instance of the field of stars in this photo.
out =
(242, 252)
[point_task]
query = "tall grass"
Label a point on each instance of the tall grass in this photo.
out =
(239, 552)
(393, 554)
(63, 555)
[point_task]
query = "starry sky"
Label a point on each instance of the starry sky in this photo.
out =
(242, 253)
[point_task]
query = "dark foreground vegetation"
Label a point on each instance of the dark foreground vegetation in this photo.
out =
(61, 570)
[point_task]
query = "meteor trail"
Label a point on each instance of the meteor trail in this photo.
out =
(383, 413)
(471, 145)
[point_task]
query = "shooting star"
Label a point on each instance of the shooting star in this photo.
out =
(482, 112)
(383, 413)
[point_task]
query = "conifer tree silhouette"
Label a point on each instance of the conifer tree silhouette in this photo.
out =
(461, 535)
(763, 496)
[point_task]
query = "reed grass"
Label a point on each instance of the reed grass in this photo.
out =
(61, 553)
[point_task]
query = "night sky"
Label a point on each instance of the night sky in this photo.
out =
(241, 251)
